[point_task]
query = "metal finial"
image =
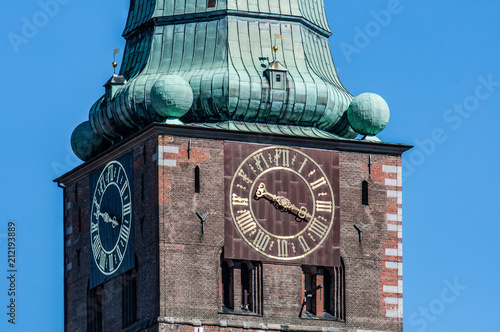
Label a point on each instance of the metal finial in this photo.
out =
(114, 64)
(275, 49)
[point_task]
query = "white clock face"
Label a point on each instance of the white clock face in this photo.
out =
(111, 217)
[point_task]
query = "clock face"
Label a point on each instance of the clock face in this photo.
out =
(111, 218)
(282, 203)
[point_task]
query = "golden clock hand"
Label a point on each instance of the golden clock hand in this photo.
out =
(301, 212)
(283, 203)
(262, 192)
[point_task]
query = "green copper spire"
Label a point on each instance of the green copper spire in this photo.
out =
(231, 64)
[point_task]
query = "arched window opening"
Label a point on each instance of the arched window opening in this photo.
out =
(197, 179)
(364, 193)
(247, 278)
(325, 292)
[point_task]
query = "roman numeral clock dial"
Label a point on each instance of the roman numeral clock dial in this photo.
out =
(281, 202)
(110, 219)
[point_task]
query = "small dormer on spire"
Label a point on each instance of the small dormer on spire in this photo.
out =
(112, 85)
(276, 73)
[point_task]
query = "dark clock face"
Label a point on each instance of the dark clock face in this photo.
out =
(281, 203)
(111, 216)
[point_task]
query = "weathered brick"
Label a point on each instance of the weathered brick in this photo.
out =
(179, 266)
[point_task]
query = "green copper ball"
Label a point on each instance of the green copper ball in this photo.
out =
(171, 96)
(84, 142)
(368, 114)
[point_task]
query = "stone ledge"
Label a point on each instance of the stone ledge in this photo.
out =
(249, 325)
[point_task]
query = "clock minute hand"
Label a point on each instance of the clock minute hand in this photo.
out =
(282, 202)
(262, 192)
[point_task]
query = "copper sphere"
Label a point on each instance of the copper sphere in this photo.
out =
(275, 48)
(114, 64)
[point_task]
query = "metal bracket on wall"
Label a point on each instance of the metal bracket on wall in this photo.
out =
(202, 219)
(310, 292)
(360, 232)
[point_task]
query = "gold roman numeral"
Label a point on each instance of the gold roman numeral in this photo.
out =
(259, 160)
(318, 183)
(303, 244)
(303, 165)
(245, 177)
(282, 248)
(237, 200)
(261, 240)
(284, 155)
(246, 222)
(324, 206)
(318, 228)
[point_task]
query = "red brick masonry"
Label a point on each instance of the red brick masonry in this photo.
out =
(178, 266)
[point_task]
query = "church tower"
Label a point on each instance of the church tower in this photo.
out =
(223, 185)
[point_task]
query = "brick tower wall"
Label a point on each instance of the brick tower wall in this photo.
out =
(178, 266)
(190, 260)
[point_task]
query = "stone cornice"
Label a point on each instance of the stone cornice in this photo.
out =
(231, 135)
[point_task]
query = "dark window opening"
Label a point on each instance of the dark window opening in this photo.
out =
(310, 293)
(278, 78)
(246, 293)
(211, 3)
(227, 285)
(142, 186)
(327, 289)
(79, 219)
(330, 297)
(247, 276)
(94, 309)
(197, 179)
(364, 193)
(129, 298)
(76, 193)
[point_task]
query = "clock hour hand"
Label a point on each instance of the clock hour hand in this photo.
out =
(105, 216)
(108, 219)
(282, 203)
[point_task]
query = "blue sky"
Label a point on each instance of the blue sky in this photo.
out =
(437, 64)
